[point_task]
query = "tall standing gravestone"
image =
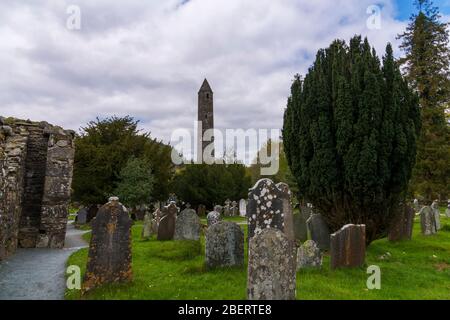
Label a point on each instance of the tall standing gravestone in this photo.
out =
(402, 225)
(109, 259)
(187, 226)
(348, 246)
(166, 226)
(271, 271)
(267, 206)
(447, 211)
(147, 227)
(427, 221)
(437, 214)
(224, 245)
(243, 208)
(319, 231)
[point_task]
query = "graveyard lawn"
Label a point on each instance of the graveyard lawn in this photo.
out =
(417, 269)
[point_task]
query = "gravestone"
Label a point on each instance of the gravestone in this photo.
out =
(267, 206)
(224, 245)
(187, 226)
(147, 230)
(348, 246)
(447, 211)
(427, 221)
(437, 214)
(319, 231)
(218, 209)
(271, 266)
(212, 218)
(288, 218)
(109, 259)
(309, 256)
(201, 210)
(227, 208)
(234, 209)
(82, 216)
(155, 221)
(92, 212)
(166, 226)
(416, 205)
(242, 207)
(402, 225)
(300, 228)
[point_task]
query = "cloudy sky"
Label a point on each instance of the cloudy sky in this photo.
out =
(148, 58)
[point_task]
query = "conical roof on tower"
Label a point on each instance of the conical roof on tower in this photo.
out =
(205, 86)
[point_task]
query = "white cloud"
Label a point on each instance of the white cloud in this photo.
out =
(148, 58)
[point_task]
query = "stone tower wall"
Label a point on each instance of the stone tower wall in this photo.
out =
(205, 113)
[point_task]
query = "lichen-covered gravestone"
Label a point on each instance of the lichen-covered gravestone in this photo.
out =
(271, 266)
(166, 226)
(319, 231)
(109, 259)
(427, 221)
(187, 226)
(212, 218)
(268, 206)
(82, 216)
(147, 228)
(437, 214)
(348, 246)
(224, 245)
(402, 225)
(309, 255)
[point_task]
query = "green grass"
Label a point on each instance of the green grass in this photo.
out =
(417, 269)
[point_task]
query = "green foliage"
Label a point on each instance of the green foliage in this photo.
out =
(211, 184)
(104, 147)
(427, 67)
(349, 134)
(136, 183)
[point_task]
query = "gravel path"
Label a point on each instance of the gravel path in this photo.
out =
(38, 274)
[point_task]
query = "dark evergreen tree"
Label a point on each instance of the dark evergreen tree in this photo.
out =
(349, 135)
(427, 67)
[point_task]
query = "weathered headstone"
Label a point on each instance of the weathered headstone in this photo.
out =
(319, 231)
(437, 214)
(82, 216)
(300, 228)
(402, 225)
(187, 226)
(242, 207)
(267, 206)
(218, 209)
(224, 245)
(427, 221)
(288, 218)
(234, 209)
(309, 255)
(166, 226)
(227, 208)
(348, 246)
(109, 259)
(201, 210)
(213, 217)
(147, 230)
(271, 266)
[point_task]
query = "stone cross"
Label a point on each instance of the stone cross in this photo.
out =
(402, 225)
(319, 231)
(187, 226)
(268, 205)
(166, 226)
(109, 259)
(427, 221)
(224, 245)
(348, 246)
(309, 256)
(271, 266)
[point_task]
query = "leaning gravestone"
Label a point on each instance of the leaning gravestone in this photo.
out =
(82, 216)
(187, 226)
(147, 228)
(212, 218)
(242, 207)
(437, 214)
(224, 245)
(309, 256)
(271, 266)
(427, 221)
(166, 226)
(109, 259)
(267, 206)
(402, 225)
(319, 231)
(348, 246)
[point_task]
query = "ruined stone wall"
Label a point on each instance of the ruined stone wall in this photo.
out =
(36, 163)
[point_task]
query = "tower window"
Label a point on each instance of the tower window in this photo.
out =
(207, 96)
(206, 116)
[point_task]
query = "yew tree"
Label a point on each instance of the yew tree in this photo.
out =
(350, 131)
